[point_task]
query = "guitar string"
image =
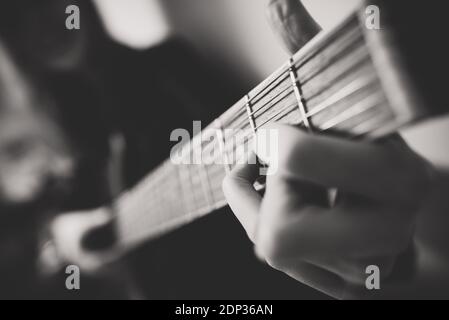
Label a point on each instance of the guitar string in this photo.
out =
(351, 88)
(352, 38)
(160, 205)
(346, 70)
(304, 62)
(161, 176)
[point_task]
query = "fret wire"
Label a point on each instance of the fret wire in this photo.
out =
(358, 65)
(284, 75)
(249, 111)
(281, 78)
(316, 72)
(352, 39)
(304, 60)
(235, 115)
(367, 81)
(346, 70)
(204, 178)
(184, 171)
(239, 112)
(244, 123)
(314, 111)
(299, 98)
(134, 199)
(273, 99)
(217, 158)
(239, 141)
(351, 23)
(222, 143)
(348, 90)
(319, 69)
(215, 181)
(289, 107)
(152, 205)
(160, 202)
(374, 119)
(209, 144)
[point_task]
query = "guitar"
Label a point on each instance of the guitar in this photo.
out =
(350, 81)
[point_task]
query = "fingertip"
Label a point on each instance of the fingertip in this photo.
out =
(277, 143)
(292, 22)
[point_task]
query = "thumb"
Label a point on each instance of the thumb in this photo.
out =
(292, 22)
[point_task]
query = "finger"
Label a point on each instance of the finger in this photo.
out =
(292, 22)
(353, 232)
(242, 197)
(389, 172)
(317, 278)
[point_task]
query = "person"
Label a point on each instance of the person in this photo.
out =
(103, 82)
(391, 210)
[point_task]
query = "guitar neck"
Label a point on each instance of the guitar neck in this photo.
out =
(346, 82)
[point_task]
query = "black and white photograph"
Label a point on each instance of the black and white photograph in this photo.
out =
(224, 158)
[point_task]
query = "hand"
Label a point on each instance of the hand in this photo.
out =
(382, 188)
(68, 233)
(292, 23)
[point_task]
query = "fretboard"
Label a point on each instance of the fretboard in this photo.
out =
(343, 82)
